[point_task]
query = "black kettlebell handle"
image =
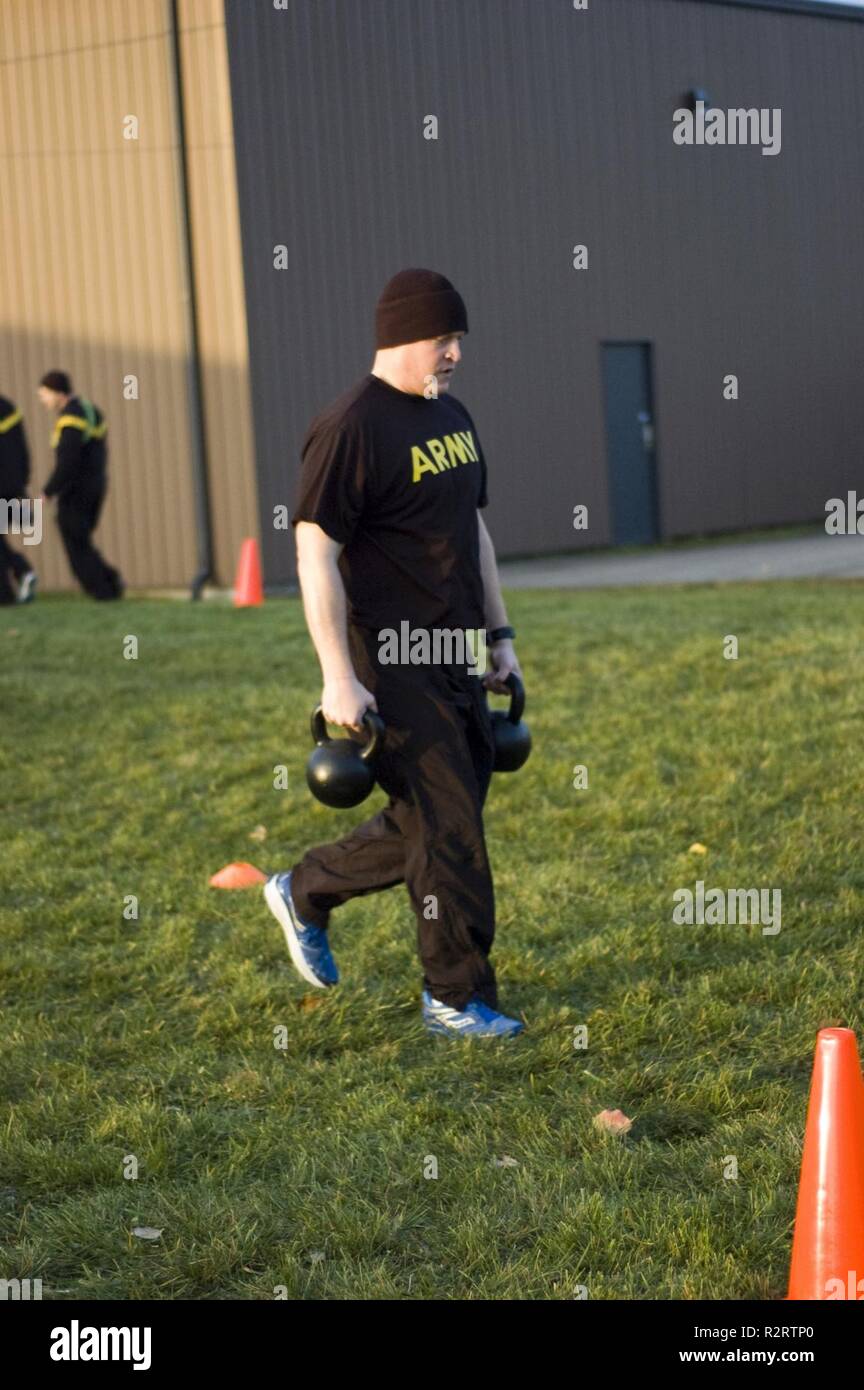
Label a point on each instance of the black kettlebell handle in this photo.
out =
(517, 698)
(372, 721)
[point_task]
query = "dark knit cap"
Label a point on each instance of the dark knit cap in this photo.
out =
(57, 381)
(418, 304)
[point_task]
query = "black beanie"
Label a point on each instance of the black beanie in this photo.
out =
(57, 381)
(418, 304)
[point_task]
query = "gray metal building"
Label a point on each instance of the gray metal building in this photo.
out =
(600, 386)
(483, 138)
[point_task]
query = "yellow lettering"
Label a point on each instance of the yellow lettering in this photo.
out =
(456, 449)
(468, 437)
(438, 452)
(426, 466)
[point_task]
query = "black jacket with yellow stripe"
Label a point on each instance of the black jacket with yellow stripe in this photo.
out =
(79, 439)
(14, 454)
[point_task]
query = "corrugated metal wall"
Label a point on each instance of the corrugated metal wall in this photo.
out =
(91, 272)
(220, 294)
(556, 129)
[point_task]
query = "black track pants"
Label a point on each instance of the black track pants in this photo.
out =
(14, 561)
(77, 514)
(435, 766)
(13, 485)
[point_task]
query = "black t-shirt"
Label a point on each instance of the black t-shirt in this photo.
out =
(397, 479)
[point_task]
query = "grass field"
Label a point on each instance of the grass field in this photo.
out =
(304, 1167)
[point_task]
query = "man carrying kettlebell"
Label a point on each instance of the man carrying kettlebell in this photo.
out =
(388, 530)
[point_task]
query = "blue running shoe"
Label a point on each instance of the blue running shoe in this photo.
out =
(476, 1020)
(310, 950)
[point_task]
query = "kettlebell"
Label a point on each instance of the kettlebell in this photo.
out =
(341, 771)
(512, 735)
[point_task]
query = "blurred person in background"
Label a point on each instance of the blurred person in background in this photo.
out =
(79, 482)
(14, 477)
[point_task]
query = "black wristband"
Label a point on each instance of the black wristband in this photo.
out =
(499, 633)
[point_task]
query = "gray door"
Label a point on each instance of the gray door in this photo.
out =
(631, 458)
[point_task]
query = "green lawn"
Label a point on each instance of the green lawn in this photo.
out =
(304, 1167)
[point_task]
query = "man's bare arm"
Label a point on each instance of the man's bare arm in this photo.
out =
(343, 697)
(503, 655)
(495, 612)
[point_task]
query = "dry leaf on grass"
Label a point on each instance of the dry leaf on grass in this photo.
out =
(259, 834)
(146, 1232)
(310, 1002)
(506, 1162)
(612, 1122)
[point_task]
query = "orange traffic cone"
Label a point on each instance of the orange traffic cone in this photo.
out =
(248, 589)
(238, 875)
(828, 1246)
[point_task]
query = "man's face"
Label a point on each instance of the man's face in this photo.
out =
(434, 359)
(50, 399)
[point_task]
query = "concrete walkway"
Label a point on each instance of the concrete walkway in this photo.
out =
(802, 557)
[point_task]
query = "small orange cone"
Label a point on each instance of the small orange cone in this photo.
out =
(238, 875)
(828, 1246)
(248, 589)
